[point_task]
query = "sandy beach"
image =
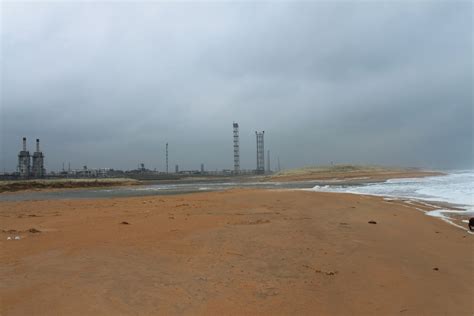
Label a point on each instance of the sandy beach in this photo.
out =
(237, 158)
(233, 252)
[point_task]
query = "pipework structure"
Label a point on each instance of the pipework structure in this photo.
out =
(24, 161)
(236, 149)
(260, 152)
(38, 170)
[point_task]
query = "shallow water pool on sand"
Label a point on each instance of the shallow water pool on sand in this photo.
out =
(150, 189)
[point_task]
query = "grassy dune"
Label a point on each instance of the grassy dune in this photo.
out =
(335, 168)
(349, 172)
(36, 184)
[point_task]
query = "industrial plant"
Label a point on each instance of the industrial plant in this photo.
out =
(27, 169)
(260, 153)
(31, 166)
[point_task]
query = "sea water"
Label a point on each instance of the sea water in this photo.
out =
(455, 188)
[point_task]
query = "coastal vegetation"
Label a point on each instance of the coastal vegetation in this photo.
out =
(37, 184)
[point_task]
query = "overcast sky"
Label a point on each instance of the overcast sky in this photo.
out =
(107, 84)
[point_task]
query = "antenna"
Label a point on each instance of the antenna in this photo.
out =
(268, 161)
(166, 157)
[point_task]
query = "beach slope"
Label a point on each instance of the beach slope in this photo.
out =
(232, 252)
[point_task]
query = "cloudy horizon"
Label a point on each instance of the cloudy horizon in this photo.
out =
(107, 85)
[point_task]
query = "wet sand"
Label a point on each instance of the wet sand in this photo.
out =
(232, 252)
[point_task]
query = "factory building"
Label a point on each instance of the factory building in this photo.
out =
(25, 169)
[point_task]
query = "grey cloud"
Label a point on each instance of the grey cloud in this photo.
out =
(108, 84)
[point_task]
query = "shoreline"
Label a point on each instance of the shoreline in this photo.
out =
(438, 210)
(450, 210)
(454, 214)
(434, 208)
(458, 214)
(68, 185)
(329, 177)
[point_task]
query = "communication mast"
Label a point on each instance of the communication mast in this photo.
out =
(236, 149)
(260, 152)
(166, 157)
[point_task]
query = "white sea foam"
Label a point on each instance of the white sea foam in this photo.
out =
(443, 215)
(454, 188)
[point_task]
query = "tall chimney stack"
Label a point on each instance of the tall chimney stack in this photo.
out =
(24, 161)
(37, 171)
